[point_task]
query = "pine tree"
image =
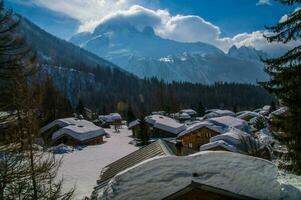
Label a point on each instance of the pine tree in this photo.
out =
(26, 172)
(80, 108)
(285, 83)
(201, 109)
(142, 134)
(130, 114)
(272, 106)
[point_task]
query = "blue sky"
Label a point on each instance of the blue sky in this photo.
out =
(232, 16)
(222, 23)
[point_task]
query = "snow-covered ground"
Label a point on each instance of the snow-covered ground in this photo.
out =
(292, 184)
(81, 168)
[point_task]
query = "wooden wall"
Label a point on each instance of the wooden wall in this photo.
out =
(198, 137)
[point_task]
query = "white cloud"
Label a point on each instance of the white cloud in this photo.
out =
(183, 28)
(84, 10)
(263, 2)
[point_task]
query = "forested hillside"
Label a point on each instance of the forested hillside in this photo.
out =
(106, 88)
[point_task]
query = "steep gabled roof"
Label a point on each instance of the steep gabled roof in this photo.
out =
(161, 177)
(165, 123)
(78, 129)
(218, 113)
(158, 148)
(231, 122)
(245, 114)
(203, 124)
(134, 123)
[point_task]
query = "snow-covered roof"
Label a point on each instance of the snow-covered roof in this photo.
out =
(264, 110)
(231, 122)
(161, 112)
(265, 137)
(80, 130)
(219, 113)
(165, 123)
(189, 111)
(4, 114)
(203, 124)
(183, 116)
(61, 123)
(221, 144)
(159, 177)
(233, 136)
(266, 107)
(134, 123)
(278, 112)
(111, 117)
(245, 114)
(157, 148)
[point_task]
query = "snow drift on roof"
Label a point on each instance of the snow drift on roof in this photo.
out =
(247, 114)
(231, 122)
(278, 112)
(233, 140)
(165, 123)
(61, 123)
(110, 118)
(80, 130)
(160, 177)
(221, 144)
(218, 113)
(204, 124)
(183, 115)
(188, 111)
(134, 123)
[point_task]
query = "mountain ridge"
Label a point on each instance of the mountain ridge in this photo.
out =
(145, 54)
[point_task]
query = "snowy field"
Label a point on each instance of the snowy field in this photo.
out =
(81, 168)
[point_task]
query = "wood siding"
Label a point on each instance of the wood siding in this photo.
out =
(73, 142)
(197, 138)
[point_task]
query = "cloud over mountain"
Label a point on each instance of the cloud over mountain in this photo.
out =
(183, 28)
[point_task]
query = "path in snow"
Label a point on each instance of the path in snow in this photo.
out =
(81, 168)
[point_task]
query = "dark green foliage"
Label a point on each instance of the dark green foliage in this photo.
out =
(153, 95)
(260, 123)
(143, 133)
(25, 171)
(80, 108)
(285, 83)
(235, 110)
(273, 106)
(10, 57)
(53, 104)
(130, 114)
(201, 109)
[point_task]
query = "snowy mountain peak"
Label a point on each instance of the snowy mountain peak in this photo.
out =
(246, 53)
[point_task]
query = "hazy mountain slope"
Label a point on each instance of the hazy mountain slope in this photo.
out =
(54, 51)
(196, 68)
(145, 54)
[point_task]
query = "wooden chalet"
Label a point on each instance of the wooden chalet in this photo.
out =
(72, 131)
(159, 126)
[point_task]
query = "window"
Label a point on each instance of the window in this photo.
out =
(190, 145)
